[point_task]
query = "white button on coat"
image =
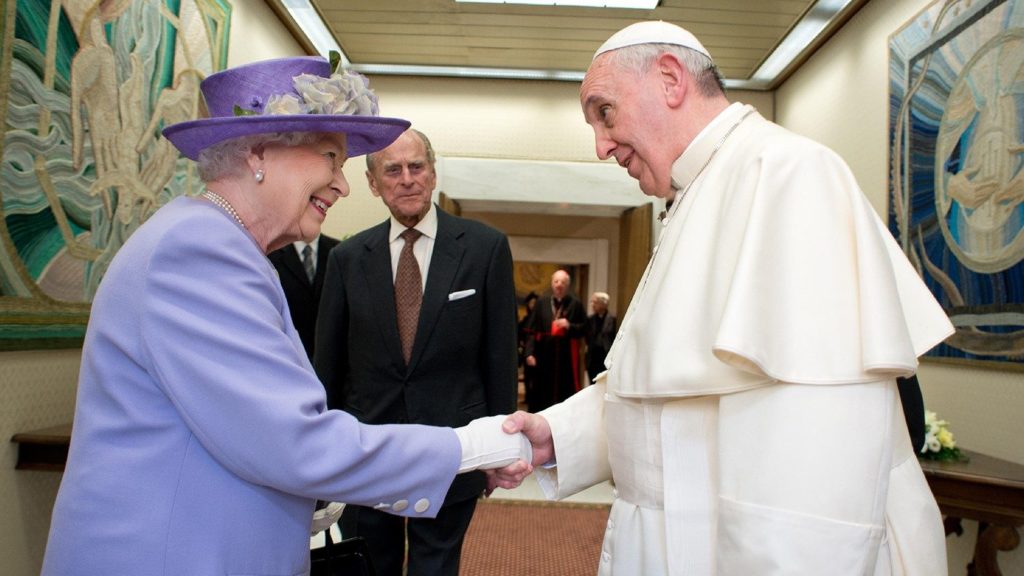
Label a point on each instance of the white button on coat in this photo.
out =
(421, 505)
(400, 505)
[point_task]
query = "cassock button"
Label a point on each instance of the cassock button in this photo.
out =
(421, 505)
(400, 505)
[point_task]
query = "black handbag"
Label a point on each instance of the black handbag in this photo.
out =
(350, 557)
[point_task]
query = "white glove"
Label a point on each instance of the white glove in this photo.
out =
(485, 445)
(324, 517)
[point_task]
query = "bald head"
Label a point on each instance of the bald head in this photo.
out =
(560, 283)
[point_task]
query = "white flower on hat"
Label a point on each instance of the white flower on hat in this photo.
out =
(285, 104)
(344, 92)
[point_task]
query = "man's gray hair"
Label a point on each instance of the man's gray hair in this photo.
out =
(640, 58)
(602, 297)
(371, 158)
(227, 159)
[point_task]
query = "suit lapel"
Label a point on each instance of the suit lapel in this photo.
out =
(381, 288)
(293, 265)
(323, 249)
(444, 264)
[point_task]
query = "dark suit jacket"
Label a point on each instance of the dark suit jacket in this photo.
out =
(463, 363)
(600, 337)
(913, 409)
(303, 296)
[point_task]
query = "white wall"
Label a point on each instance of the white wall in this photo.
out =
(840, 98)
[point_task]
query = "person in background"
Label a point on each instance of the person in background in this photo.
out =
(601, 330)
(201, 439)
(558, 322)
(300, 266)
(749, 416)
(913, 410)
(418, 324)
(529, 372)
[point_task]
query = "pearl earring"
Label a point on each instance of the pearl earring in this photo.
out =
(259, 175)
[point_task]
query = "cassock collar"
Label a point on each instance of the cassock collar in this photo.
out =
(689, 164)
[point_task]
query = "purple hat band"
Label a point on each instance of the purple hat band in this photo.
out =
(250, 87)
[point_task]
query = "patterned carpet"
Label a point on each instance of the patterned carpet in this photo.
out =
(517, 537)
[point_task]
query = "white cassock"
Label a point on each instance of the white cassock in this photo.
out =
(749, 417)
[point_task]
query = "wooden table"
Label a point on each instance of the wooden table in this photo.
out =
(44, 449)
(985, 489)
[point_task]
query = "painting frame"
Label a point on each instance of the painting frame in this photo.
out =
(954, 171)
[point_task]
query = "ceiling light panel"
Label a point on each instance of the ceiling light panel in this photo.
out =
(630, 4)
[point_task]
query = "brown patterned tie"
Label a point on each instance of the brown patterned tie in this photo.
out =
(408, 292)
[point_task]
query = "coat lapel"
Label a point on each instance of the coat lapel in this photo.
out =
(381, 288)
(293, 265)
(444, 264)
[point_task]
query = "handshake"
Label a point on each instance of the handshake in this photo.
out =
(506, 447)
(485, 446)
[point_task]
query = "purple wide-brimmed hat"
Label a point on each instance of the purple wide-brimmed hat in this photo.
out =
(287, 95)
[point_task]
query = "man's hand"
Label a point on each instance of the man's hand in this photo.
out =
(538, 432)
(531, 361)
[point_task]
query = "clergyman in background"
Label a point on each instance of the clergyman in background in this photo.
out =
(557, 322)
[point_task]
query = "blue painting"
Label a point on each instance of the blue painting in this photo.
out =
(85, 88)
(956, 186)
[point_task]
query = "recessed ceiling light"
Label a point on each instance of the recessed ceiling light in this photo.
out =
(806, 30)
(633, 4)
(312, 25)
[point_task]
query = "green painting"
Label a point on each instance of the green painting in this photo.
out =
(86, 89)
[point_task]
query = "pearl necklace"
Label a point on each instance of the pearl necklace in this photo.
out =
(225, 205)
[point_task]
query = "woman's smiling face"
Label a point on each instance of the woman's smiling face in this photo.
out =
(300, 184)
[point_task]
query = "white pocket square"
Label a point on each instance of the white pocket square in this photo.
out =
(461, 294)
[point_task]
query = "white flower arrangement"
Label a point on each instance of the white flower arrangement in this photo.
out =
(939, 443)
(344, 92)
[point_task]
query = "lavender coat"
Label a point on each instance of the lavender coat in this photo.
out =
(201, 439)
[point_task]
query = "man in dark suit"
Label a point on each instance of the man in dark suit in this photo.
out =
(295, 264)
(456, 360)
(558, 322)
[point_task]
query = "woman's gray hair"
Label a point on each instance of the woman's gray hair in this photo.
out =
(640, 58)
(602, 297)
(227, 159)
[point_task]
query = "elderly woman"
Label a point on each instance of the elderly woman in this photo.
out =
(201, 438)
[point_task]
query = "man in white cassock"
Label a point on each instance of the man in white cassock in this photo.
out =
(749, 415)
